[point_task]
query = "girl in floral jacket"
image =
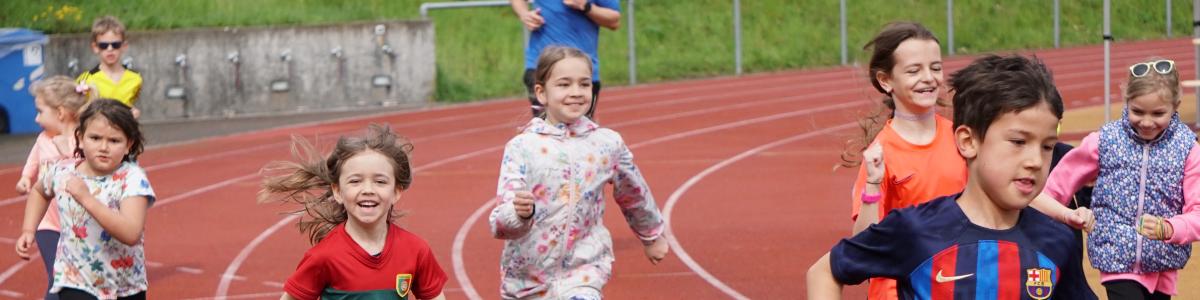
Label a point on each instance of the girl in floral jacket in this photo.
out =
(550, 202)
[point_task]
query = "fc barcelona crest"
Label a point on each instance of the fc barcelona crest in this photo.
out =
(403, 284)
(1038, 283)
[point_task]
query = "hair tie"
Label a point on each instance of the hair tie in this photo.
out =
(82, 88)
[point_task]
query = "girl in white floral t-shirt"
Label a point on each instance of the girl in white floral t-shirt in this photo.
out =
(550, 199)
(102, 197)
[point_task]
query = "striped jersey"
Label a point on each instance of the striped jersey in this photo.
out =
(935, 252)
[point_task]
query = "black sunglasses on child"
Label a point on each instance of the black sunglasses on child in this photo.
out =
(1164, 67)
(109, 45)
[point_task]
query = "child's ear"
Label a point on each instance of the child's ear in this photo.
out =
(399, 192)
(539, 91)
(968, 143)
(63, 113)
(336, 195)
(884, 80)
(95, 48)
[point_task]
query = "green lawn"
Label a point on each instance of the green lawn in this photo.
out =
(480, 51)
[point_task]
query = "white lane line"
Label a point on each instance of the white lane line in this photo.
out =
(675, 196)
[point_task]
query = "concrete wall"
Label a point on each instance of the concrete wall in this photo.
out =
(302, 58)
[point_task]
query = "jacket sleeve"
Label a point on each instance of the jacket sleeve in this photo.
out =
(633, 196)
(505, 224)
(1075, 170)
(1187, 225)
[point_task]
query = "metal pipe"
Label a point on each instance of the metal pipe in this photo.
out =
(426, 7)
(737, 36)
(632, 47)
(1057, 12)
(1107, 61)
(950, 25)
(842, 12)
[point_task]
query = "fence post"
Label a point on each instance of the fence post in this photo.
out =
(632, 48)
(1056, 26)
(737, 36)
(842, 13)
(1107, 61)
(950, 25)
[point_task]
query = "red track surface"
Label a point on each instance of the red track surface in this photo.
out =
(744, 164)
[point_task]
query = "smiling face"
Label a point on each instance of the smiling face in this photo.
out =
(1011, 162)
(915, 82)
(1150, 114)
(367, 188)
(567, 91)
(104, 146)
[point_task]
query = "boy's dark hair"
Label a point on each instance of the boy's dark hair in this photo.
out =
(309, 182)
(118, 115)
(994, 85)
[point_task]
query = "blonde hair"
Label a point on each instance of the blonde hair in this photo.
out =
(1167, 85)
(106, 24)
(310, 181)
(59, 91)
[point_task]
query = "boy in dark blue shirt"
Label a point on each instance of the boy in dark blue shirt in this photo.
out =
(984, 243)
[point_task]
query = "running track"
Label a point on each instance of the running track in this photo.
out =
(742, 166)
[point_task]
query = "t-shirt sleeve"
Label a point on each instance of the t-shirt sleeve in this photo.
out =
(611, 4)
(47, 178)
(882, 250)
(430, 277)
(310, 278)
(136, 184)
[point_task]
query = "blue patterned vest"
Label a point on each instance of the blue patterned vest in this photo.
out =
(1138, 177)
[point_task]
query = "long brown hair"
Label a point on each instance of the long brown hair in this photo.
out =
(310, 181)
(882, 48)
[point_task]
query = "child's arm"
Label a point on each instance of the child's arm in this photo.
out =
(607, 14)
(35, 208)
(30, 172)
(870, 182)
(632, 195)
(821, 284)
(1077, 168)
(512, 194)
(1185, 228)
(124, 224)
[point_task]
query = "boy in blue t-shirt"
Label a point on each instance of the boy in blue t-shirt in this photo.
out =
(984, 243)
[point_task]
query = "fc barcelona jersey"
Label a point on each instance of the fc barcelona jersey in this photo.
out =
(935, 252)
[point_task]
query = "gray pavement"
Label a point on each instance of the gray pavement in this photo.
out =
(15, 148)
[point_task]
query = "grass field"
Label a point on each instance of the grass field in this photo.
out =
(479, 50)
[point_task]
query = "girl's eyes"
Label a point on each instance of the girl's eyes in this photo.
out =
(1018, 142)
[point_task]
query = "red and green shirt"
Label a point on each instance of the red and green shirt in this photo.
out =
(337, 268)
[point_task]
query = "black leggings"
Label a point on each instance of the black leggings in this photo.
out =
(536, 107)
(74, 294)
(47, 243)
(1131, 290)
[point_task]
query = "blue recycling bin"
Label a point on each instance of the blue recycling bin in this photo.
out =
(20, 65)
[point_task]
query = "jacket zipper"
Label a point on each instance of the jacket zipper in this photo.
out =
(1137, 259)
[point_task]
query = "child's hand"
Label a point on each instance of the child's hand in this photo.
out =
(77, 188)
(533, 19)
(523, 204)
(1080, 218)
(1155, 228)
(657, 250)
(23, 185)
(873, 160)
(24, 243)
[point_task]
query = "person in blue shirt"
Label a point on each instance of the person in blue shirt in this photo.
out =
(571, 23)
(984, 243)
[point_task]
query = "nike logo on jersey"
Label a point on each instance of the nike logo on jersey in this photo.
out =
(944, 279)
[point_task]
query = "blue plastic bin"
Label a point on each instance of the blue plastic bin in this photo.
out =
(21, 63)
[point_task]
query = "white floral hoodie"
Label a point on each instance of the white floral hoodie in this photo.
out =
(565, 244)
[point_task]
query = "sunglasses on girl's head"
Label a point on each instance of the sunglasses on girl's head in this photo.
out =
(1161, 66)
(109, 45)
